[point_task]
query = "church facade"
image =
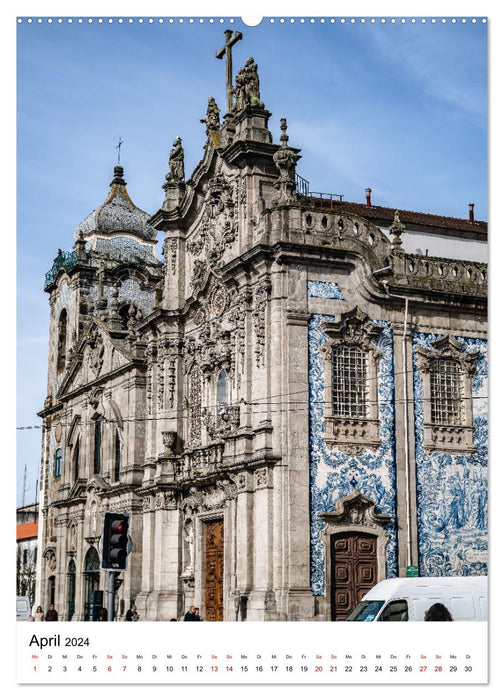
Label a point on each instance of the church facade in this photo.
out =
(290, 406)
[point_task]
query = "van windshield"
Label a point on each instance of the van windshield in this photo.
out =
(366, 611)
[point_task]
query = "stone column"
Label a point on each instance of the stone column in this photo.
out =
(405, 449)
(60, 570)
(163, 601)
(260, 598)
(244, 534)
(293, 489)
(151, 355)
(148, 556)
(174, 282)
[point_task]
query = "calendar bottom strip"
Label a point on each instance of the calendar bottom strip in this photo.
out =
(254, 652)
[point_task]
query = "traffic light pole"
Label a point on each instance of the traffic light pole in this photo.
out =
(110, 595)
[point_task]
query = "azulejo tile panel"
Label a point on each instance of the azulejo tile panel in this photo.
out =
(125, 249)
(452, 489)
(334, 474)
(324, 290)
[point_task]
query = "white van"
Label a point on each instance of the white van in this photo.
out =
(23, 608)
(407, 599)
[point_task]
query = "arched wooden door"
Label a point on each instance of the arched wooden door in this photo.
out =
(214, 565)
(354, 570)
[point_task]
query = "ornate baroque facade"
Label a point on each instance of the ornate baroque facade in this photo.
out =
(291, 406)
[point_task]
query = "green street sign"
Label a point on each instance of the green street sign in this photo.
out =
(411, 571)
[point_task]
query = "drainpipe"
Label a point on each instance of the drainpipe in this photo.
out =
(406, 425)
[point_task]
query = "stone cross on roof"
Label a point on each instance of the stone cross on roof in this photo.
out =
(119, 149)
(226, 51)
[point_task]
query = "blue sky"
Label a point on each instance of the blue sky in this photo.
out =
(400, 108)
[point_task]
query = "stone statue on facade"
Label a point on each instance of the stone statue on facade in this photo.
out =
(252, 84)
(285, 160)
(189, 547)
(246, 90)
(212, 120)
(174, 184)
(176, 163)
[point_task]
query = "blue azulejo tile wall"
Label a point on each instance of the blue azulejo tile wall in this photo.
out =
(333, 473)
(452, 489)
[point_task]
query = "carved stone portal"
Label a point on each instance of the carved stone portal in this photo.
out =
(355, 509)
(354, 514)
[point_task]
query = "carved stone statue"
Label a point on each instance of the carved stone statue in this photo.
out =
(252, 96)
(94, 518)
(212, 116)
(285, 160)
(169, 441)
(239, 90)
(246, 90)
(176, 163)
(189, 547)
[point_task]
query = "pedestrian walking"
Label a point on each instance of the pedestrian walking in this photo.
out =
(438, 613)
(51, 614)
(39, 614)
(190, 615)
(132, 615)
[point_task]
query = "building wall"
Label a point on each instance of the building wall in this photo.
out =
(333, 473)
(255, 282)
(453, 488)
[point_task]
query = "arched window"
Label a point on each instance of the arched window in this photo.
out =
(76, 459)
(124, 316)
(221, 394)
(71, 581)
(57, 462)
(51, 589)
(97, 446)
(91, 579)
(62, 341)
(117, 459)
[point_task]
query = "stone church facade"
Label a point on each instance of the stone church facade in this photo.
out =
(291, 405)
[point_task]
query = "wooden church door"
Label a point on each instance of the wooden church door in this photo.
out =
(214, 560)
(354, 571)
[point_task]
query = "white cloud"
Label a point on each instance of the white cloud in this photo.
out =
(449, 67)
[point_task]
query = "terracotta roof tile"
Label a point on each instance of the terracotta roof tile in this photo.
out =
(386, 214)
(26, 531)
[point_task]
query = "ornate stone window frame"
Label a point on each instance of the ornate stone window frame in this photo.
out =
(352, 434)
(222, 417)
(448, 437)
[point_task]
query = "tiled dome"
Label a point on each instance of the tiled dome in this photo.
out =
(117, 214)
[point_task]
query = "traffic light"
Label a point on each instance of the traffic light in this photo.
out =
(115, 546)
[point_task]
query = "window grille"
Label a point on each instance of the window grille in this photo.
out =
(349, 385)
(446, 395)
